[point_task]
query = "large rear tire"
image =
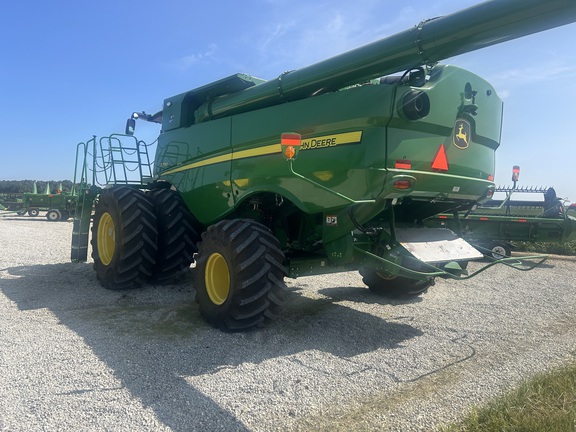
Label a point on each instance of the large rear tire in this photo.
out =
(393, 287)
(176, 236)
(239, 275)
(124, 236)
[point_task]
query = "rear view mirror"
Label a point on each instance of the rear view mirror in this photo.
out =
(130, 126)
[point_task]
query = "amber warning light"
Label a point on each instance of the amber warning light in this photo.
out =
(291, 143)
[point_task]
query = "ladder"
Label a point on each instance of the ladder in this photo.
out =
(100, 163)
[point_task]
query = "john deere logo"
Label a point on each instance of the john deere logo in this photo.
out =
(461, 134)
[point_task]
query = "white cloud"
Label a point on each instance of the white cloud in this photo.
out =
(186, 62)
(299, 34)
(510, 80)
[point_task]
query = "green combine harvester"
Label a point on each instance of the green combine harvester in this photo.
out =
(329, 168)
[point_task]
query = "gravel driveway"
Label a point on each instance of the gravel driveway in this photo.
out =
(74, 356)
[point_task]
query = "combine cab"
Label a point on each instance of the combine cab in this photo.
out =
(329, 168)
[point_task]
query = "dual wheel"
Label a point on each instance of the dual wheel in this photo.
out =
(139, 238)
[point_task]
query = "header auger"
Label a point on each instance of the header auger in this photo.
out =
(328, 168)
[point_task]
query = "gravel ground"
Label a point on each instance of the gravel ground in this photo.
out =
(74, 356)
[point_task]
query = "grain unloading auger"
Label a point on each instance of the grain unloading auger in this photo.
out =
(328, 168)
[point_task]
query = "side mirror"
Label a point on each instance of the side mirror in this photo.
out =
(417, 77)
(130, 126)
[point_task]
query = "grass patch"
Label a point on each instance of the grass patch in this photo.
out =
(566, 248)
(546, 403)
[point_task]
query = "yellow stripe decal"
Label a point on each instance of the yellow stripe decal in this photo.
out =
(309, 143)
(258, 151)
(209, 161)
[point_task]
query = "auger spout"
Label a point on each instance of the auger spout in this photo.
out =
(430, 41)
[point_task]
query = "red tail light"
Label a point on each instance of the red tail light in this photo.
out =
(402, 184)
(403, 164)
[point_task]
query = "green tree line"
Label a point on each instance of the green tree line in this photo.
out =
(22, 186)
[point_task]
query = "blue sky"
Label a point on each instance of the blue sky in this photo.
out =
(73, 69)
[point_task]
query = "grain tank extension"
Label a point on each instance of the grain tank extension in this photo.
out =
(332, 167)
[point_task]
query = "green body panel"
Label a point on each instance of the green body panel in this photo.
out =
(179, 110)
(206, 185)
(351, 142)
(60, 201)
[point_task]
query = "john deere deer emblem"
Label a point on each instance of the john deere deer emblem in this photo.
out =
(461, 134)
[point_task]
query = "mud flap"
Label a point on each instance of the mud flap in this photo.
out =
(436, 245)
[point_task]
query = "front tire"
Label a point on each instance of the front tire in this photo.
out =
(124, 238)
(239, 276)
(33, 212)
(393, 287)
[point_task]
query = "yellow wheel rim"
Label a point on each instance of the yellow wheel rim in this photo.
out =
(217, 278)
(106, 238)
